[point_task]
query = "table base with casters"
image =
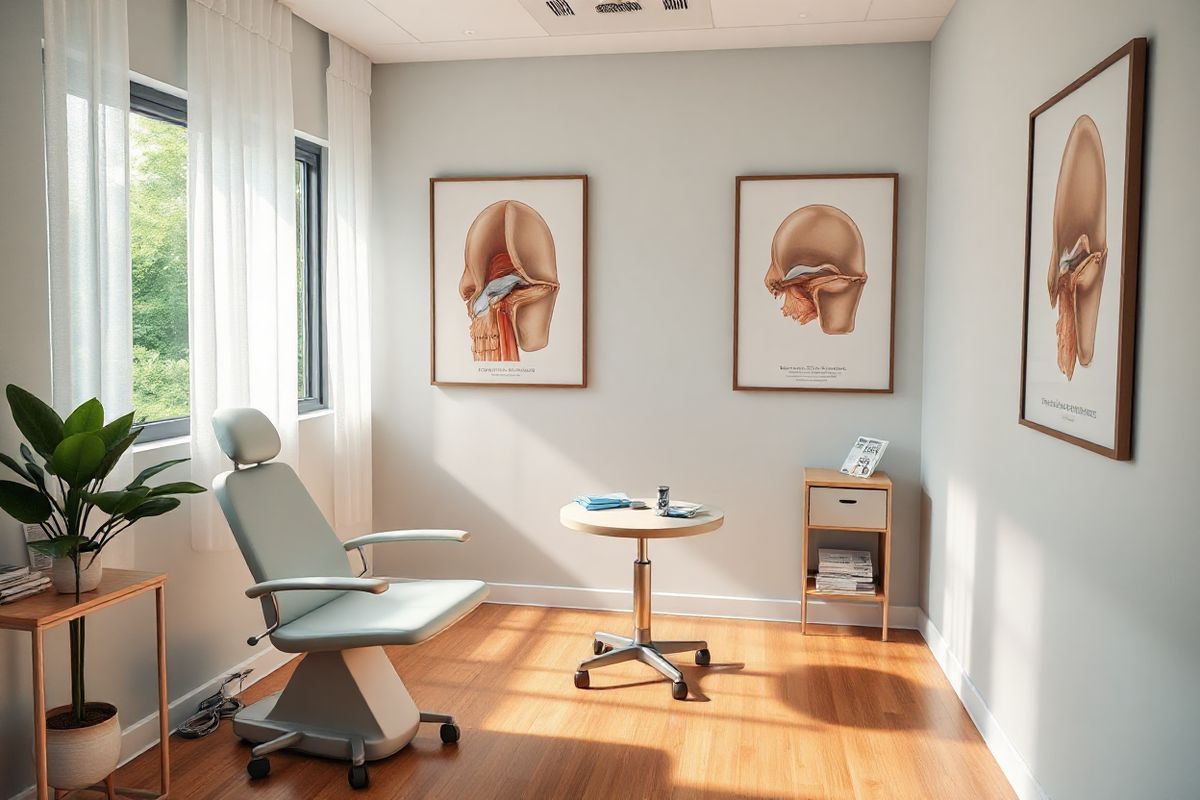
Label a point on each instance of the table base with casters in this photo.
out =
(611, 648)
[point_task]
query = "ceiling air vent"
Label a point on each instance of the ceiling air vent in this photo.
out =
(561, 8)
(675, 5)
(617, 8)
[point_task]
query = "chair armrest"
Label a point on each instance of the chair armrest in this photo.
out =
(406, 536)
(372, 585)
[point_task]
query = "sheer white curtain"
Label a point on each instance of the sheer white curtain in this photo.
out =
(348, 84)
(86, 98)
(241, 232)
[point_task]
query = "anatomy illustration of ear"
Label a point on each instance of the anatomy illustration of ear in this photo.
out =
(818, 264)
(1079, 249)
(484, 239)
(531, 247)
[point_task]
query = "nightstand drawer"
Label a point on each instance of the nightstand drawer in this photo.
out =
(847, 508)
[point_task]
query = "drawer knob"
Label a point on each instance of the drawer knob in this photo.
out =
(847, 501)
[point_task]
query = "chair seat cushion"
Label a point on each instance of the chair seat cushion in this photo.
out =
(407, 613)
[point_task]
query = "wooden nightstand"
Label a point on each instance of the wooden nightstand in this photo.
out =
(837, 502)
(41, 612)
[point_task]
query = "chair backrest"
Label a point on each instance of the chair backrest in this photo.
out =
(279, 529)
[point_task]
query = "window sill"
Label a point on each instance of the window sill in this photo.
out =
(175, 441)
(160, 444)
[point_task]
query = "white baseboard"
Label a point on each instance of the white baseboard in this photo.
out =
(702, 605)
(140, 736)
(1014, 767)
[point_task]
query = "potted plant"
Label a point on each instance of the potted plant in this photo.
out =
(62, 469)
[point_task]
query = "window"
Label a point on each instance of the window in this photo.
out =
(310, 273)
(158, 255)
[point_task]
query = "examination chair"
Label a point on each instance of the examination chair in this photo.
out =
(344, 700)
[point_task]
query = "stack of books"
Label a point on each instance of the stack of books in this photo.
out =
(845, 572)
(17, 582)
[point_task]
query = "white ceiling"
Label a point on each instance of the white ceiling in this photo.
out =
(447, 30)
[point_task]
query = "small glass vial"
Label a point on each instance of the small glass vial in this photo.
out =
(664, 501)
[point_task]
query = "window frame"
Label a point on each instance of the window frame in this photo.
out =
(160, 105)
(157, 104)
(312, 155)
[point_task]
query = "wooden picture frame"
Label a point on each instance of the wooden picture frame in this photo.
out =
(754, 300)
(525, 320)
(1072, 366)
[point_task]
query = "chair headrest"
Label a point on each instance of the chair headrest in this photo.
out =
(246, 435)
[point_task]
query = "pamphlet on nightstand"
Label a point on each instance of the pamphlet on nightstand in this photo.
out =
(864, 457)
(39, 562)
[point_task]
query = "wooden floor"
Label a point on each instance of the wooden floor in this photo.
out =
(835, 714)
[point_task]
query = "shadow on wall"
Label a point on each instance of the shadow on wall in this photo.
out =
(495, 541)
(499, 462)
(979, 546)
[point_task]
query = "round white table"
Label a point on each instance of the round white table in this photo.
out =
(643, 525)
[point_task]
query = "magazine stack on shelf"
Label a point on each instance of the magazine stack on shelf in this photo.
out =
(17, 582)
(845, 572)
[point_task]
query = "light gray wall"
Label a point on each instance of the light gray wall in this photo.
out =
(208, 616)
(158, 49)
(662, 138)
(1064, 581)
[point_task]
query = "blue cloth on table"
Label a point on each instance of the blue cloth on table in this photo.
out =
(602, 502)
(684, 512)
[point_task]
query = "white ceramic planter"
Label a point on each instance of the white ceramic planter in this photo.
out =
(62, 574)
(80, 757)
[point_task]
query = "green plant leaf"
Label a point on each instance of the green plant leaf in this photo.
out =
(59, 546)
(114, 454)
(22, 503)
(37, 421)
(118, 429)
(153, 507)
(72, 502)
(38, 476)
(117, 502)
(178, 487)
(88, 418)
(150, 472)
(12, 464)
(77, 458)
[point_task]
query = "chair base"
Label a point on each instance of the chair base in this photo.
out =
(347, 704)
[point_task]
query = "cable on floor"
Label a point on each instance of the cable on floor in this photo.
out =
(222, 704)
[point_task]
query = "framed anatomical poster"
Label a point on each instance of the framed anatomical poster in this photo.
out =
(814, 282)
(1081, 256)
(508, 281)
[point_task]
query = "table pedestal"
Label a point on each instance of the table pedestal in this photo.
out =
(613, 649)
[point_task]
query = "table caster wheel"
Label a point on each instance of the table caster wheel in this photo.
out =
(599, 647)
(703, 657)
(450, 733)
(581, 679)
(258, 768)
(679, 690)
(358, 776)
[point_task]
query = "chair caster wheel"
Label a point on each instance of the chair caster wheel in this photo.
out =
(358, 776)
(582, 681)
(599, 647)
(258, 768)
(703, 657)
(450, 733)
(679, 690)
